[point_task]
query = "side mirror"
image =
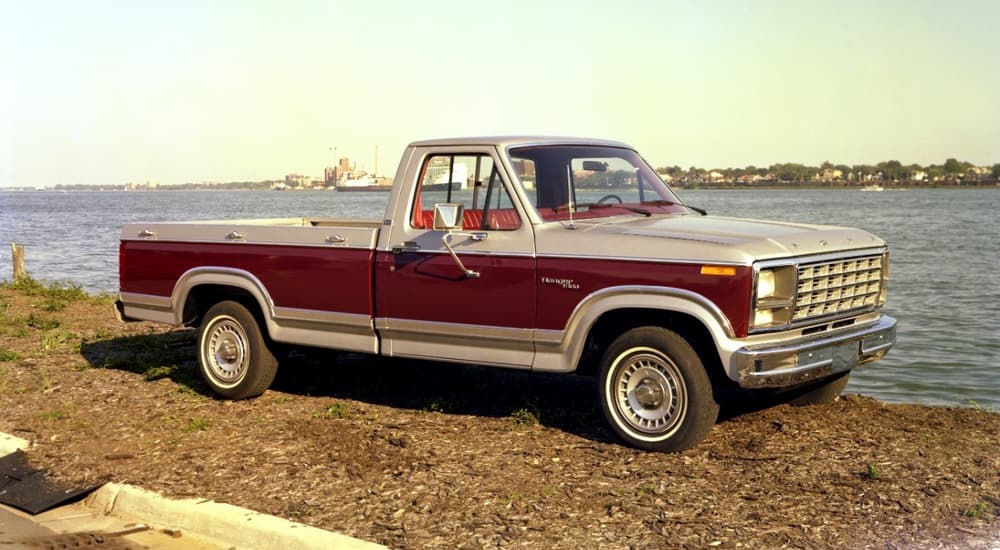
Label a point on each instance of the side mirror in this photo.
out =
(448, 216)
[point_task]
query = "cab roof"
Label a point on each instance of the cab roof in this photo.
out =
(514, 141)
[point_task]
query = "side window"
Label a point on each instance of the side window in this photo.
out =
(468, 179)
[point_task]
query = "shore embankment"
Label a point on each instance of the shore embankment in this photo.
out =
(413, 454)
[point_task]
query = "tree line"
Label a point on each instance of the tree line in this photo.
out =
(892, 170)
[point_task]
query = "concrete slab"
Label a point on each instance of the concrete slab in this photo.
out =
(156, 522)
(228, 524)
(9, 444)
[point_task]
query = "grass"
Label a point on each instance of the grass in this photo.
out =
(54, 338)
(338, 409)
(52, 416)
(524, 418)
(439, 406)
(42, 323)
(646, 490)
(974, 405)
(7, 355)
(154, 356)
(871, 472)
(54, 296)
(512, 498)
(198, 424)
(977, 511)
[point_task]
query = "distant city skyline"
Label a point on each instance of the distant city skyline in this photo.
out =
(105, 92)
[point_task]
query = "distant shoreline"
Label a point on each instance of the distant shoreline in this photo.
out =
(694, 186)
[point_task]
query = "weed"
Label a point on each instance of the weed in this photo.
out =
(524, 418)
(871, 472)
(437, 407)
(337, 410)
(103, 298)
(156, 373)
(974, 405)
(646, 490)
(55, 338)
(59, 290)
(42, 323)
(103, 334)
(53, 416)
(977, 511)
(7, 355)
(198, 424)
(53, 305)
(513, 497)
(170, 421)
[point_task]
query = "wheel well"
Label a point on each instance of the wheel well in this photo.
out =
(202, 297)
(615, 323)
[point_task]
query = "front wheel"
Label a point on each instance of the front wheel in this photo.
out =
(232, 353)
(654, 391)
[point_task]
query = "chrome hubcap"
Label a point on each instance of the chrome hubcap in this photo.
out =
(226, 350)
(650, 394)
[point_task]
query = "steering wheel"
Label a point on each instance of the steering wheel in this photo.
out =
(612, 196)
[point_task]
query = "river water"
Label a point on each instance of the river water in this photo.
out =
(944, 288)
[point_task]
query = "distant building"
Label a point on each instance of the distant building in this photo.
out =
(330, 176)
(298, 180)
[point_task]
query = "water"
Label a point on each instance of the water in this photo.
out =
(945, 285)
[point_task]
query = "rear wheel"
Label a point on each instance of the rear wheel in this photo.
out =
(654, 391)
(233, 354)
(824, 392)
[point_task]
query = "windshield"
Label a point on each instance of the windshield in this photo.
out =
(577, 182)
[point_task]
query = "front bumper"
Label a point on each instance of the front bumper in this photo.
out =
(789, 364)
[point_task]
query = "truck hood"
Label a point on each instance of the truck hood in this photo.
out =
(714, 238)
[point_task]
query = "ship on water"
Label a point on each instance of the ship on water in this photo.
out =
(349, 179)
(364, 182)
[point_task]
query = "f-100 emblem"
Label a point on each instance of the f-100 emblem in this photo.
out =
(565, 283)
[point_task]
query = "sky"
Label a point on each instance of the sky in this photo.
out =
(108, 92)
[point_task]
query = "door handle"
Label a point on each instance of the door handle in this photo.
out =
(334, 239)
(235, 236)
(408, 246)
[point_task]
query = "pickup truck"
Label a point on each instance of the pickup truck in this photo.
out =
(549, 254)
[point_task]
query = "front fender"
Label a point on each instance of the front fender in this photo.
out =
(560, 350)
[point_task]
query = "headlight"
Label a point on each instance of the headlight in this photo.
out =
(765, 284)
(774, 293)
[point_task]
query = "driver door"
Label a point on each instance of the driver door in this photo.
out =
(426, 305)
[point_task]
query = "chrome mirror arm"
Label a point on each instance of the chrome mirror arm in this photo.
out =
(446, 241)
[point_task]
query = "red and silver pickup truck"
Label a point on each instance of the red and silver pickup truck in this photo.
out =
(548, 254)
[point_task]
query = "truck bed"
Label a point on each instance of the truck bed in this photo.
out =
(346, 233)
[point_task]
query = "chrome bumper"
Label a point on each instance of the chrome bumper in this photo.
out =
(120, 313)
(789, 364)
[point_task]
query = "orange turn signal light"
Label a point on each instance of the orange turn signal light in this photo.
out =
(722, 270)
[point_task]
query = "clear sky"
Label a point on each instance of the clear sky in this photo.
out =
(181, 91)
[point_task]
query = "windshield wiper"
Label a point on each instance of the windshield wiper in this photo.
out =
(662, 202)
(635, 209)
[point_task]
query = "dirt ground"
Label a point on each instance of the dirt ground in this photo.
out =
(413, 455)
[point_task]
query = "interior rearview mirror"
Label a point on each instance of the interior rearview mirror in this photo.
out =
(447, 216)
(595, 166)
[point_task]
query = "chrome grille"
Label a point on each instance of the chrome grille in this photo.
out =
(829, 288)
